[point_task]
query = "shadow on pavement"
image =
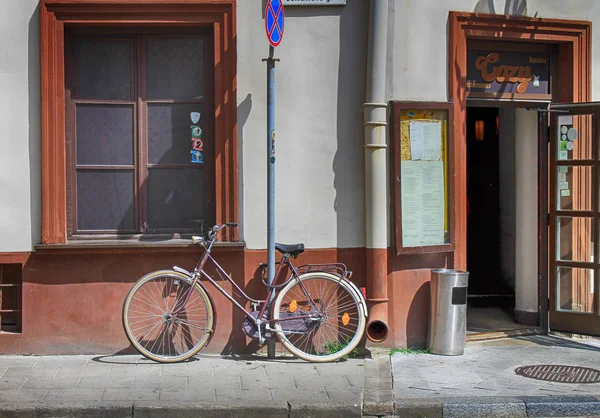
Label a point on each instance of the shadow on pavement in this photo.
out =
(548, 340)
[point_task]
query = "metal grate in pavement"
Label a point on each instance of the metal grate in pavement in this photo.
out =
(560, 374)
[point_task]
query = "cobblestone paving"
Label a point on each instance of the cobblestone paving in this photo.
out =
(487, 369)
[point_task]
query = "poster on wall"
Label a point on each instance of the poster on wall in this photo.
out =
(422, 199)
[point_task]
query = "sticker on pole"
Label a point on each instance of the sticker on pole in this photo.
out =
(274, 17)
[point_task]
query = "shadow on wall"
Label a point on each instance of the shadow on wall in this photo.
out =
(349, 161)
(35, 136)
(511, 7)
(418, 314)
(243, 113)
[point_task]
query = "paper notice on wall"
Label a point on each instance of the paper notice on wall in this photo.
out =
(432, 139)
(422, 197)
(416, 141)
(425, 140)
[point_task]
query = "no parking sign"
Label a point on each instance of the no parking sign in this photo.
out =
(274, 21)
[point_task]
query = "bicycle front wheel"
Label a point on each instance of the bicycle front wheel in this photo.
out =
(320, 317)
(166, 319)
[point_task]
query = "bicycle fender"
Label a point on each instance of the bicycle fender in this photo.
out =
(358, 293)
(353, 288)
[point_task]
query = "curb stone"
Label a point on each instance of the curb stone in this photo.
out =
(561, 406)
(297, 410)
(71, 411)
(483, 407)
(412, 408)
(160, 410)
(378, 392)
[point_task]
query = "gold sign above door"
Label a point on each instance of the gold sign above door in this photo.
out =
(514, 75)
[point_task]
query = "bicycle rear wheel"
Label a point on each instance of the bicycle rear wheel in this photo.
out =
(320, 317)
(165, 319)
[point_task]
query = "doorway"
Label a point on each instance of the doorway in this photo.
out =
(491, 220)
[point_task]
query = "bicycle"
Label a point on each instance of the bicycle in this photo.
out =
(317, 313)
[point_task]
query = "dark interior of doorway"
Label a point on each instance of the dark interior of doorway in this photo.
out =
(491, 292)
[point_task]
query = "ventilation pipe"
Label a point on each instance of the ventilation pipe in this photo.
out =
(375, 116)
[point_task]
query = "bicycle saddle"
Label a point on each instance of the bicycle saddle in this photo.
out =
(292, 249)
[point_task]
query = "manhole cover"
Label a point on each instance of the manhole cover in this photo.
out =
(561, 374)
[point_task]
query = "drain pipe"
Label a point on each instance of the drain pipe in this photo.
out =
(375, 116)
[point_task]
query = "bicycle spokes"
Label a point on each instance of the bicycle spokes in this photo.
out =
(319, 316)
(167, 317)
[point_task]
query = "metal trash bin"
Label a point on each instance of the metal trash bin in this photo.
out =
(448, 312)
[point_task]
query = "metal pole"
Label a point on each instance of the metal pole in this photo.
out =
(271, 178)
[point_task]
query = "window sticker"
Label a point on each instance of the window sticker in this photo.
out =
(197, 157)
(197, 144)
(195, 116)
(196, 131)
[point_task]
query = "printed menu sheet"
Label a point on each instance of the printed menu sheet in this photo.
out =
(422, 198)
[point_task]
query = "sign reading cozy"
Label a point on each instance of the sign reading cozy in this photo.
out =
(502, 74)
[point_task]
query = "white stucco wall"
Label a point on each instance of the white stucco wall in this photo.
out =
(320, 89)
(20, 199)
(418, 51)
(320, 86)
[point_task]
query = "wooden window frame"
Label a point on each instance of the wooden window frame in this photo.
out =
(137, 37)
(218, 15)
(397, 107)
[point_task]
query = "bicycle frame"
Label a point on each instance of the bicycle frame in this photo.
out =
(263, 304)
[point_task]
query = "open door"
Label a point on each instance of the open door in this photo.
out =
(574, 217)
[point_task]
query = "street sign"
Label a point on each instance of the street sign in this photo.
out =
(274, 17)
(314, 2)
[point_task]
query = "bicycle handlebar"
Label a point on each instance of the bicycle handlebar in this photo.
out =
(217, 228)
(212, 233)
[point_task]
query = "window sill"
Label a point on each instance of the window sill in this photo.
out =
(9, 334)
(129, 246)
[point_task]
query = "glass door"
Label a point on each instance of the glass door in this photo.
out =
(574, 258)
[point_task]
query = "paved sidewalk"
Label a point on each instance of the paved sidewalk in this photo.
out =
(482, 382)
(121, 386)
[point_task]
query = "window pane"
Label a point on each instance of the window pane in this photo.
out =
(574, 239)
(105, 200)
(170, 134)
(574, 188)
(105, 134)
(103, 69)
(177, 198)
(575, 290)
(175, 68)
(574, 137)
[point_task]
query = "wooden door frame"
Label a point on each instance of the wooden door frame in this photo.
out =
(573, 41)
(219, 15)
